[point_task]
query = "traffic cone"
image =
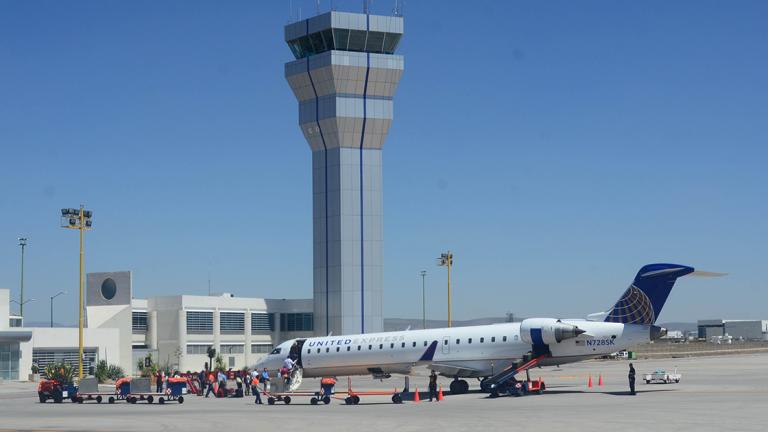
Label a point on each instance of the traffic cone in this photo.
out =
(589, 382)
(440, 394)
(600, 380)
(416, 398)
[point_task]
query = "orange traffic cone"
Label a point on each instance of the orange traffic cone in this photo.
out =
(589, 382)
(416, 398)
(600, 380)
(440, 394)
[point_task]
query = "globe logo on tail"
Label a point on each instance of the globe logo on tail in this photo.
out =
(634, 307)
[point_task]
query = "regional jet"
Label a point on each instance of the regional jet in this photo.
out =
(493, 353)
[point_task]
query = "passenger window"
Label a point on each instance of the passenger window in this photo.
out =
(469, 340)
(391, 346)
(349, 348)
(358, 347)
(403, 346)
(515, 337)
(414, 344)
(458, 341)
(425, 343)
(504, 339)
(445, 342)
(309, 350)
(318, 350)
(370, 347)
(338, 349)
(493, 338)
(327, 350)
(482, 340)
(381, 346)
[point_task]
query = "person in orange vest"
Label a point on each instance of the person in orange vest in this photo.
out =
(211, 380)
(255, 388)
(326, 385)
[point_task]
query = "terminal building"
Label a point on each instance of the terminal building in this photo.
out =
(175, 330)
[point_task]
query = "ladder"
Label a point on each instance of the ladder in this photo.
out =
(508, 374)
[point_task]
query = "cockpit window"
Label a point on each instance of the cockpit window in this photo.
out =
(275, 351)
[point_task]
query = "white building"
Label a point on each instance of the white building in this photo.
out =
(176, 330)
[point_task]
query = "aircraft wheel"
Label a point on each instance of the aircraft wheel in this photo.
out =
(327, 400)
(287, 400)
(356, 399)
(180, 399)
(313, 401)
(150, 399)
(271, 400)
(111, 400)
(464, 386)
(454, 387)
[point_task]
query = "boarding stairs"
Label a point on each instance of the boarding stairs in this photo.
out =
(500, 380)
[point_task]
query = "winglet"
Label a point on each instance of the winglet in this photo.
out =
(429, 354)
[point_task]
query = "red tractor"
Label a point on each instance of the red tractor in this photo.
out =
(52, 389)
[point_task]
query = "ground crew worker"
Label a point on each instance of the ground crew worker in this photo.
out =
(631, 377)
(432, 386)
(159, 382)
(255, 388)
(326, 386)
(265, 379)
(211, 380)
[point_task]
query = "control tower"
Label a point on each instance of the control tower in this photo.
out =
(344, 77)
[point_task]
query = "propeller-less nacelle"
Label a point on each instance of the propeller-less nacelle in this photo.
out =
(537, 331)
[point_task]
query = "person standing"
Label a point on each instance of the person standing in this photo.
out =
(631, 377)
(265, 379)
(255, 387)
(159, 382)
(432, 386)
(210, 390)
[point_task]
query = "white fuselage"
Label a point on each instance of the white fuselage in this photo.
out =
(477, 351)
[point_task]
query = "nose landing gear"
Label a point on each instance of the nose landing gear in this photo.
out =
(459, 386)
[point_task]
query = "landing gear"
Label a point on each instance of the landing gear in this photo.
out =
(459, 386)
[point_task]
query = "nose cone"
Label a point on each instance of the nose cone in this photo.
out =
(579, 331)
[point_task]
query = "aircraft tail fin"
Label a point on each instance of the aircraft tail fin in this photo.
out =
(642, 302)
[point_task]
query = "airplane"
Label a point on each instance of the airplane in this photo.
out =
(492, 353)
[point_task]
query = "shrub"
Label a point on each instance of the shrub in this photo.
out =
(115, 372)
(61, 372)
(101, 371)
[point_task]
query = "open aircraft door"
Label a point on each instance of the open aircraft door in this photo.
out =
(446, 345)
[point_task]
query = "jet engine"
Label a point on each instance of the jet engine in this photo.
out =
(547, 331)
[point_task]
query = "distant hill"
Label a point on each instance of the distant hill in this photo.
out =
(395, 324)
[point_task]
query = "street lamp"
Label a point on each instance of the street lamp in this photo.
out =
(23, 244)
(423, 300)
(53, 297)
(79, 219)
(21, 305)
(446, 260)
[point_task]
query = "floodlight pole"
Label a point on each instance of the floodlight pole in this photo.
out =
(446, 260)
(423, 300)
(53, 297)
(80, 309)
(23, 244)
(83, 224)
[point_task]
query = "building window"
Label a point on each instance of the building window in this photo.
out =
(262, 348)
(262, 322)
(231, 322)
(139, 321)
(43, 358)
(199, 322)
(296, 322)
(198, 348)
(231, 348)
(231, 362)
(15, 322)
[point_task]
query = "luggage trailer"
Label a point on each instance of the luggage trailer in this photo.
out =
(351, 397)
(177, 388)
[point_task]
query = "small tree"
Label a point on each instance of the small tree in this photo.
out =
(101, 371)
(115, 372)
(211, 351)
(220, 363)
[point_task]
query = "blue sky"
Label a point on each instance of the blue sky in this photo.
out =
(554, 147)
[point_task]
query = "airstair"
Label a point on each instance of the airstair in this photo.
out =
(498, 382)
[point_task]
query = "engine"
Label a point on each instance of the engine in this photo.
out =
(547, 331)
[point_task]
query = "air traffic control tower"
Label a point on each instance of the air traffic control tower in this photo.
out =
(344, 77)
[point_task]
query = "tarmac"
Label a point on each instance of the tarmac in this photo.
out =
(715, 394)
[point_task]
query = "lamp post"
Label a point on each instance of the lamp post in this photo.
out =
(53, 297)
(21, 305)
(423, 300)
(446, 260)
(80, 220)
(23, 244)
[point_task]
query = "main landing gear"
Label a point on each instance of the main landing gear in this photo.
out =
(459, 386)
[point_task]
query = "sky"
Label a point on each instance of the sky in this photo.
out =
(554, 147)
